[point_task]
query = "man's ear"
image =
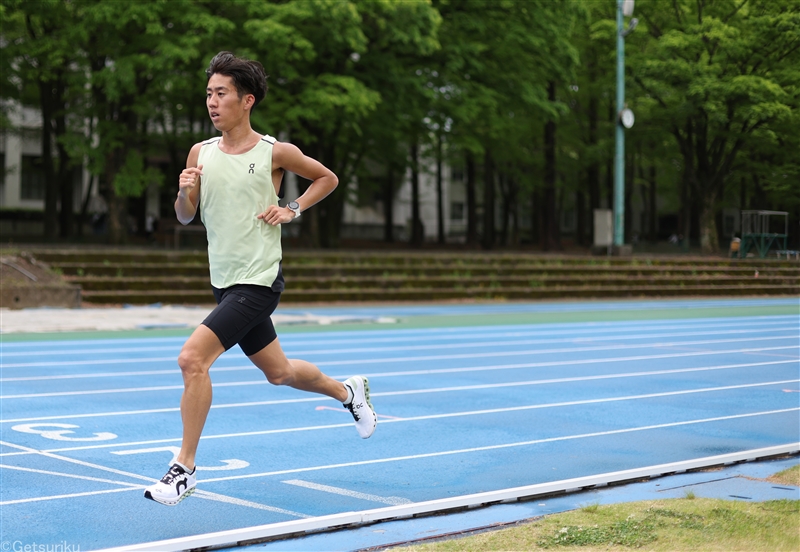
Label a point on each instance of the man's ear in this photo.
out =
(249, 101)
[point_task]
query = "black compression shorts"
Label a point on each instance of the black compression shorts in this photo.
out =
(243, 316)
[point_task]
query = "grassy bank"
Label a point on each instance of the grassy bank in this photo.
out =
(686, 524)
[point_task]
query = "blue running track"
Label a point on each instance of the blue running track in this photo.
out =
(465, 406)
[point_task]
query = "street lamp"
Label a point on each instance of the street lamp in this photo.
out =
(624, 120)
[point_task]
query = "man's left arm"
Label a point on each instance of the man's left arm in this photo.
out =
(323, 181)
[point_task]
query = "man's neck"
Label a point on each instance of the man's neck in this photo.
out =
(239, 139)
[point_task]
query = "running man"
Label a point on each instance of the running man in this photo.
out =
(236, 178)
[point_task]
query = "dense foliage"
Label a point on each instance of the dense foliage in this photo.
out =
(520, 95)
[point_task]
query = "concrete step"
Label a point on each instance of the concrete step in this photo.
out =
(94, 283)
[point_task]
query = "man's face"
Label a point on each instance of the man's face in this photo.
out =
(225, 107)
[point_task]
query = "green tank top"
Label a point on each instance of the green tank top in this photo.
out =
(233, 190)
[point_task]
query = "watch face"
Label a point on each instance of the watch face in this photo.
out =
(293, 205)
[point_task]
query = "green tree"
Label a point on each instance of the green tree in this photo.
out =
(724, 76)
(132, 50)
(40, 39)
(330, 60)
(496, 63)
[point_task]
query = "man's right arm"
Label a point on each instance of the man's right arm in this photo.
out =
(189, 187)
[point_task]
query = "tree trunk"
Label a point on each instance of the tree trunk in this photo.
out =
(537, 224)
(440, 237)
(550, 207)
(417, 230)
(472, 210)
(580, 215)
(630, 171)
(593, 171)
(330, 212)
(65, 175)
(51, 183)
(117, 206)
(709, 240)
(488, 201)
(388, 206)
(653, 205)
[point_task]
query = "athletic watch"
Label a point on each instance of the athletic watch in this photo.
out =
(295, 207)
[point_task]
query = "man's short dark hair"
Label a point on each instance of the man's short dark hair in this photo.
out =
(248, 76)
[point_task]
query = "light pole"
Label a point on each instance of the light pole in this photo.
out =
(624, 120)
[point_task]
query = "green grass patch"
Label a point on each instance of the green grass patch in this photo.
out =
(660, 526)
(787, 477)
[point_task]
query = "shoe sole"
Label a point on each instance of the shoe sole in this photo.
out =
(188, 492)
(372, 408)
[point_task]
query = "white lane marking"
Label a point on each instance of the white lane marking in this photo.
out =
(403, 334)
(426, 334)
(390, 500)
(570, 350)
(176, 371)
(474, 341)
(392, 393)
(502, 446)
(345, 411)
(90, 362)
(173, 372)
(416, 372)
(74, 495)
(202, 494)
(71, 476)
(419, 418)
(229, 464)
(239, 502)
(84, 351)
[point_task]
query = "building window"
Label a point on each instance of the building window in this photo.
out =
(457, 210)
(33, 179)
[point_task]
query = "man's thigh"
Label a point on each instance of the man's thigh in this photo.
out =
(243, 316)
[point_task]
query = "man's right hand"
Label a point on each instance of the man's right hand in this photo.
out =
(188, 180)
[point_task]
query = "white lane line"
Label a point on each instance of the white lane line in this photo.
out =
(501, 446)
(239, 502)
(568, 328)
(420, 418)
(73, 495)
(474, 341)
(409, 373)
(172, 372)
(415, 373)
(84, 351)
(390, 500)
(71, 476)
(403, 334)
(570, 350)
(176, 371)
(202, 494)
(393, 393)
(90, 362)
(566, 350)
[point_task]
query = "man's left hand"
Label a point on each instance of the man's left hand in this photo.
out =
(276, 215)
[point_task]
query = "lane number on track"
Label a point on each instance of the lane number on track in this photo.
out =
(61, 432)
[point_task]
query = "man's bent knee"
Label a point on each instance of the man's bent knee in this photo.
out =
(191, 363)
(279, 376)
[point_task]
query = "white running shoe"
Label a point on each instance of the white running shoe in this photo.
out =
(360, 407)
(177, 484)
